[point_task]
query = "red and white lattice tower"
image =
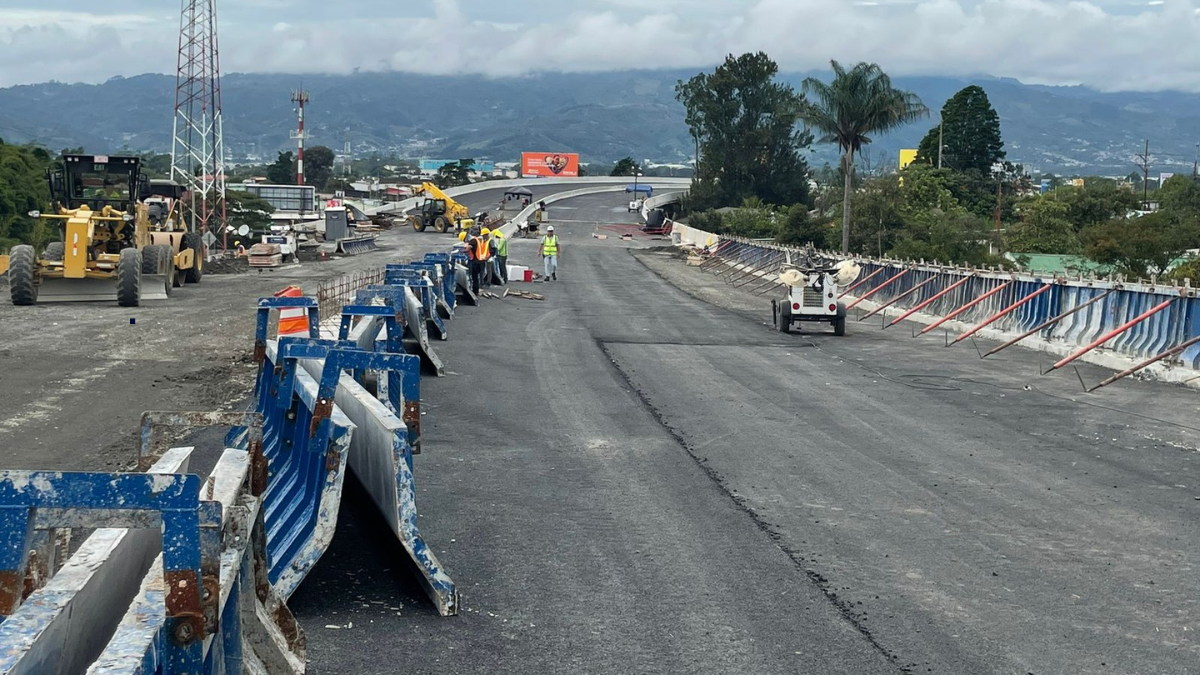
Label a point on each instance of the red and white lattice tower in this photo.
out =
(299, 97)
(198, 149)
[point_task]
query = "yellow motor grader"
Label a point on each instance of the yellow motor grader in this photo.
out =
(122, 237)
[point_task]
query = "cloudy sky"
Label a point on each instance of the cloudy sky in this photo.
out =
(1108, 44)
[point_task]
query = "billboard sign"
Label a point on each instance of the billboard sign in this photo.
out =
(1164, 177)
(907, 157)
(565, 164)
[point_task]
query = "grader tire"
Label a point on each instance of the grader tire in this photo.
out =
(159, 259)
(55, 251)
(129, 278)
(193, 241)
(22, 279)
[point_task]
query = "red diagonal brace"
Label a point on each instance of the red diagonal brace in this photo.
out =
(965, 307)
(898, 298)
(1004, 312)
(1113, 333)
(1148, 362)
(930, 301)
(878, 288)
(1050, 322)
(860, 282)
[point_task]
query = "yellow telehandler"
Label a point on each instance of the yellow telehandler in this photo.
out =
(439, 210)
(122, 237)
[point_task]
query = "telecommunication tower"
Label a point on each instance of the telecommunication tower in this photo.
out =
(299, 97)
(198, 147)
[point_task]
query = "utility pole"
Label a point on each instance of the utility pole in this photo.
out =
(941, 139)
(1144, 165)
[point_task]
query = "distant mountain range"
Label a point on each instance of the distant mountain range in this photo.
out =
(603, 116)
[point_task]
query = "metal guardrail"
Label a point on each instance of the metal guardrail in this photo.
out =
(1153, 323)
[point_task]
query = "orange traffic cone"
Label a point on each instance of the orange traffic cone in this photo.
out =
(293, 321)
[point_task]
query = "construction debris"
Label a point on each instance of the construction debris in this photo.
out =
(525, 294)
(266, 255)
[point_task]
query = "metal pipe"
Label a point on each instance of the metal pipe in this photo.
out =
(930, 301)
(878, 288)
(733, 269)
(898, 298)
(1049, 322)
(860, 282)
(752, 274)
(1113, 333)
(1002, 313)
(716, 254)
(1148, 362)
(965, 307)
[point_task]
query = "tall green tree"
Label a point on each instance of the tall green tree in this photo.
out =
(746, 128)
(626, 166)
(454, 173)
(970, 133)
(857, 104)
(318, 166)
(283, 170)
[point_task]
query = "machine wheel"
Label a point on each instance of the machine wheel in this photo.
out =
(783, 318)
(22, 279)
(839, 326)
(55, 251)
(441, 224)
(129, 278)
(159, 259)
(418, 224)
(193, 241)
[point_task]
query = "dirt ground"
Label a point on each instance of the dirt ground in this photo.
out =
(76, 377)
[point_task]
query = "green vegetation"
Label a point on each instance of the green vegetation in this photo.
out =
(244, 208)
(746, 129)
(970, 129)
(283, 170)
(23, 189)
(625, 166)
(454, 173)
(857, 104)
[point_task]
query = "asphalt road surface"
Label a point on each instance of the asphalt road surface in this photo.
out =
(640, 475)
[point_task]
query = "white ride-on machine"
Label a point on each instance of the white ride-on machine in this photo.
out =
(813, 293)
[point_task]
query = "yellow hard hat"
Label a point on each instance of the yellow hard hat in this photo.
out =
(462, 236)
(499, 234)
(485, 232)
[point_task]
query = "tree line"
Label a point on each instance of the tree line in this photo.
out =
(960, 201)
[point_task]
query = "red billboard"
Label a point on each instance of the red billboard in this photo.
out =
(564, 164)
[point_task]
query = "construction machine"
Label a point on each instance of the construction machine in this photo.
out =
(122, 237)
(439, 210)
(812, 284)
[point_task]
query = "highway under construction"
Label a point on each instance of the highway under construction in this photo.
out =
(641, 473)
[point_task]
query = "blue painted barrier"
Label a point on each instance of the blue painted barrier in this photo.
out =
(1157, 334)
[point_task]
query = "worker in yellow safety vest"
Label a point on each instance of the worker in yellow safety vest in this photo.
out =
(550, 251)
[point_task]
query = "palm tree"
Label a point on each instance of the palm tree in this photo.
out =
(858, 102)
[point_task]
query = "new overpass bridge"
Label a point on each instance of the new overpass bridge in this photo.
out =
(640, 473)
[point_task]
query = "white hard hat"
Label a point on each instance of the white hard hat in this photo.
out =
(550, 228)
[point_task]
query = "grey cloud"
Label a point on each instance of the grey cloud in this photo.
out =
(1109, 44)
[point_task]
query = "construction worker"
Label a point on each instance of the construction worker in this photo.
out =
(480, 254)
(550, 251)
(500, 243)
